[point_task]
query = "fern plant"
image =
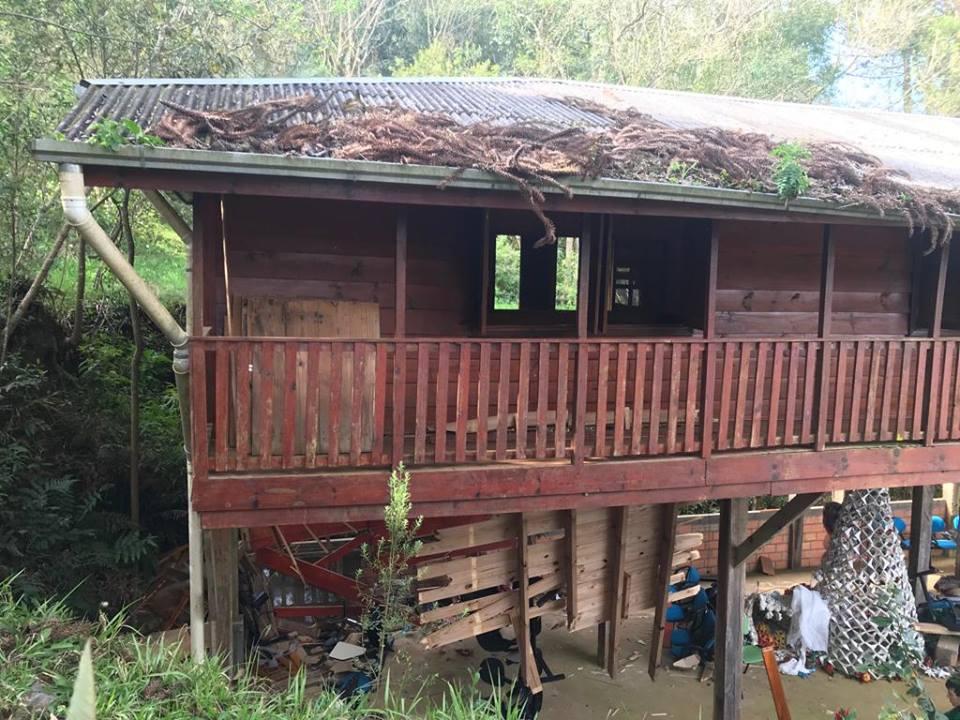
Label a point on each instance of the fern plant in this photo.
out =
(789, 173)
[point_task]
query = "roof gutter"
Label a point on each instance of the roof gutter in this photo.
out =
(432, 176)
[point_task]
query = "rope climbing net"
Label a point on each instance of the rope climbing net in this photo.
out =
(864, 582)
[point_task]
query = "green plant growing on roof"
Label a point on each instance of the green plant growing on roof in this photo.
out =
(789, 173)
(113, 134)
(679, 170)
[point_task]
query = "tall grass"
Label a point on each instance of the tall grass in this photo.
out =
(41, 644)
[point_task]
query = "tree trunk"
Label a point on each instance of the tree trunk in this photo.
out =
(135, 361)
(32, 291)
(907, 86)
(76, 332)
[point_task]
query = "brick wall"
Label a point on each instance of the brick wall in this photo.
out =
(777, 549)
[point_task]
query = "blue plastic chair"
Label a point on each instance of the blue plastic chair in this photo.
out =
(901, 527)
(939, 527)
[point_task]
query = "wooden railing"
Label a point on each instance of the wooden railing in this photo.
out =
(298, 403)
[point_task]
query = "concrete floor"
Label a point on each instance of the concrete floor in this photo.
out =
(589, 693)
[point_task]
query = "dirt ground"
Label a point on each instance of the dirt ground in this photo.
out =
(588, 693)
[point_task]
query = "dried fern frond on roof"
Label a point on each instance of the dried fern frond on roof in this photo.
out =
(632, 146)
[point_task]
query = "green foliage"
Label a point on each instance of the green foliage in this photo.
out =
(384, 579)
(113, 134)
(64, 423)
(789, 174)
(507, 276)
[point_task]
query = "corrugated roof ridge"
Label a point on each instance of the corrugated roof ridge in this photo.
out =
(499, 80)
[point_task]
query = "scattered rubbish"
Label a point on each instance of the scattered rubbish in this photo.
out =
(346, 651)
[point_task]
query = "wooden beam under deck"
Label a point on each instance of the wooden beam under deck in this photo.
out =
(293, 498)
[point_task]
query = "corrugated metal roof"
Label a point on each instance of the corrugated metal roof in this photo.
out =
(926, 147)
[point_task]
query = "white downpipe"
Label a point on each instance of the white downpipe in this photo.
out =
(78, 215)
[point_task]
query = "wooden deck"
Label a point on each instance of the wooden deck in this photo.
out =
(317, 407)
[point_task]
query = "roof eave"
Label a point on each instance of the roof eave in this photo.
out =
(427, 176)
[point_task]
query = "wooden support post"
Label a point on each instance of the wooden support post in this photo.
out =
(794, 509)
(528, 664)
(400, 279)
(602, 644)
(668, 535)
(921, 515)
(728, 670)
(708, 392)
(795, 546)
(223, 593)
(583, 315)
(572, 575)
(824, 328)
(619, 532)
(487, 259)
(934, 370)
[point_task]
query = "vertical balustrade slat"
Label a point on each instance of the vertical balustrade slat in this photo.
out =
(483, 402)
(923, 349)
(656, 390)
(336, 384)
(955, 428)
(946, 389)
(221, 405)
(289, 425)
(266, 404)
(902, 431)
(776, 382)
(440, 410)
(726, 393)
(873, 382)
(759, 394)
(600, 428)
(673, 408)
(740, 412)
(198, 402)
(311, 418)
(503, 400)
(543, 390)
(790, 412)
(620, 400)
(580, 428)
(886, 397)
(709, 395)
(933, 406)
(693, 383)
(810, 396)
(856, 433)
(398, 430)
(463, 402)
(356, 405)
(523, 393)
(840, 396)
(380, 402)
(243, 405)
(639, 380)
(563, 384)
(423, 389)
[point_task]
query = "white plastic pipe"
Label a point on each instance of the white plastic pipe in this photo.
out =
(78, 215)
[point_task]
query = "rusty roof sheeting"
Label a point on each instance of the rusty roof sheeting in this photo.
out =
(926, 147)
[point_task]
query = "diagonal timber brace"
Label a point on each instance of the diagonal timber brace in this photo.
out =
(777, 522)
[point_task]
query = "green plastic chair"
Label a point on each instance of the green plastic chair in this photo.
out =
(752, 654)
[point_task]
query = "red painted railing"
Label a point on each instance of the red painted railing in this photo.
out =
(272, 404)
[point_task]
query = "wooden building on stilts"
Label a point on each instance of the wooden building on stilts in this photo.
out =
(718, 343)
